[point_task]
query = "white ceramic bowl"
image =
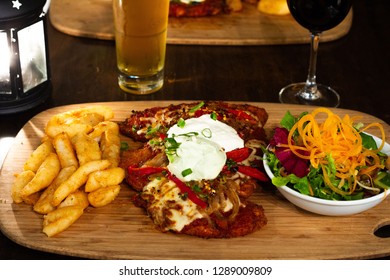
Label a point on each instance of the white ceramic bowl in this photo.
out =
(331, 207)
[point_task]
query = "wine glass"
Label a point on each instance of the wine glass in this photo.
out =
(316, 16)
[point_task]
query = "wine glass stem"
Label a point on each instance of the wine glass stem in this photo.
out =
(310, 92)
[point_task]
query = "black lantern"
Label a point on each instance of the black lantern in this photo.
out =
(24, 61)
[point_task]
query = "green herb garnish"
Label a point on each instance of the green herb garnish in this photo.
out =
(207, 133)
(196, 107)
(181, 123)
(171, 146)
(124, 146)
(186, 172)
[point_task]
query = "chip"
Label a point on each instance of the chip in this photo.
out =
(77, 143)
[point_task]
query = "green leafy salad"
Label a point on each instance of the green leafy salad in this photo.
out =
(333, 159)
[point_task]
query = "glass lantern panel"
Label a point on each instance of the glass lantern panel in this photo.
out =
(5, 78)
(32, 53)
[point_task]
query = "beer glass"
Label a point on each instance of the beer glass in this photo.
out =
(140, 38)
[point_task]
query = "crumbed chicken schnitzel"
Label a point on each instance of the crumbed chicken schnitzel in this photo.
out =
(217, 207)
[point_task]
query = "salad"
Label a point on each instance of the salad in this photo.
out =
(335, 159)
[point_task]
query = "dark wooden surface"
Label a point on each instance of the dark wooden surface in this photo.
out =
(357, 66)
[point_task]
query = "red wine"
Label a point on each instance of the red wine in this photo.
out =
(319, 15)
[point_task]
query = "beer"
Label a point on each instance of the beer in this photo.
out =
(140, 35)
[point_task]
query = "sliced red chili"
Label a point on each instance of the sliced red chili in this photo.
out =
(198, 113)
(252, 172)
(239, 155)
(185, 189)
(163, 135)
(241, 114)
(144, 171)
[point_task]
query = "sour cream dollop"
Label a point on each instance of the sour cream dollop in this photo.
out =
(203, 146)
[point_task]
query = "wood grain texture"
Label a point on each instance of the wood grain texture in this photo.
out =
(122, 231)
(94, 19)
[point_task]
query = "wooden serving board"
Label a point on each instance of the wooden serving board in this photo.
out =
(94, 19)
(122, 231)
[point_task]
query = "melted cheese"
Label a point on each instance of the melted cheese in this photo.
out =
(168, 208)
(203, 145)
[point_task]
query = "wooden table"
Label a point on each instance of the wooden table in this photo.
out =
(84, 70)
(94, 19)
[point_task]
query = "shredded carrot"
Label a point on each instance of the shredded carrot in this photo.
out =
(338, 138)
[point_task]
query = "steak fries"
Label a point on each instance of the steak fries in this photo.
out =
(78, 147)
